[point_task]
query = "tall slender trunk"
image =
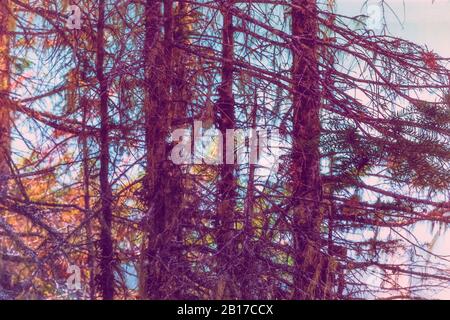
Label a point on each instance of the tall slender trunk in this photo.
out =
(5, 103)
(152, 15)
(86, 180)
(152, 133)
(226, 187)
(248, 279)
(5, 124)
(87, 202)
(181, 96)
(181, 92)
(162, 185)
(106, 261)
(306, 155)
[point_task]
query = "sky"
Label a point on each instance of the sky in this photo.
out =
(425, 22)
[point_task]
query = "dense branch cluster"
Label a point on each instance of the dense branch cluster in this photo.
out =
(86, 179)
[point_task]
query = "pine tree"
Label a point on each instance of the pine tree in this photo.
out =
(6, 20)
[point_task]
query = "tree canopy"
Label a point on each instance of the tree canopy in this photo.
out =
(355, 124)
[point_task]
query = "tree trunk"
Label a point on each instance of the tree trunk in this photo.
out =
(5, 103)
(226, 188)
(152, 13)
(307, 190)
(107, 259)
(162, 184)
(5, 125)
(87, 201)
(249, 277)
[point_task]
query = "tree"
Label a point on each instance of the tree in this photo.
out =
(306, 127)
(226, 186)
(107, 259)
(363, 117)
(6, 20)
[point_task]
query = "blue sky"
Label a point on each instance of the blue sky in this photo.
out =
(424, 22)
(421, 21)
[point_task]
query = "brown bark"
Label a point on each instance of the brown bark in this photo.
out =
(152, 15)
(5, 104)
(87, 202)
(106, 244)
(162, 183)
(5, 129)
(306, 155)
(249, 275)
(226, 195)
